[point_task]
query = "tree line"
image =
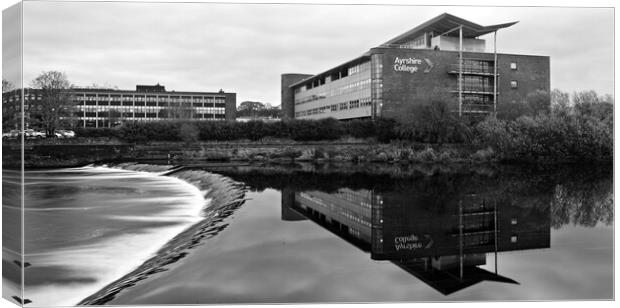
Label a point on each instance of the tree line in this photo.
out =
(258, 110)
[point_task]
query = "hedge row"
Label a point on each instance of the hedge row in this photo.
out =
(299, 130)
(558, 138)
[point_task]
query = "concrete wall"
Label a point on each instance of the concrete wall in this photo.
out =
(287, 95)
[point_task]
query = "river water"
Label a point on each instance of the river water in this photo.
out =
(148, 234)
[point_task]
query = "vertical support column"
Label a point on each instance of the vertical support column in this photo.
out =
(145, 119)
(495, 73)
(157, 107)
(496, 231)
(460, 71)
(133, 112)
(96, 110)
(461, 239)
(109, 110)
(84, 111)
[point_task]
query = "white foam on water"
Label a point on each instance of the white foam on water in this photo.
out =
(109, 259)
(105, 261)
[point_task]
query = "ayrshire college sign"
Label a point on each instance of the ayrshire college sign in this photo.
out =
(411, 65)
(413, 242)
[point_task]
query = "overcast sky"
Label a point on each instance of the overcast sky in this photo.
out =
(244, 48)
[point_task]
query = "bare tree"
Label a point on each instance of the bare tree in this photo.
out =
(249, 108)
(560, 102)
(6, 86)
(10, 113)
(181, 113)
(55, 109)
(114, 117)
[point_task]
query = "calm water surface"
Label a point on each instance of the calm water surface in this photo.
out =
(305, 233)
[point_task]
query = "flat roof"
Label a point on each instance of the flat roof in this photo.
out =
(444, 23)
(113, 91)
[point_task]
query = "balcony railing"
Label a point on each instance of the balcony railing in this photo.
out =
(475, 89)
(471, 70)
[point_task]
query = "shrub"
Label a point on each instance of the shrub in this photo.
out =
(188, 133)
(289, 153)
(433, 120)
(554, 137)
(359, 128)
(92, 132)
(319, 153)
(427, 155)
(483, 155)
(535, 103)
(385, 129)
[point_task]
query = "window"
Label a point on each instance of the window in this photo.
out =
(513, 84)
(513, 239)
(513, 221)
(513, 65)
(354, 70)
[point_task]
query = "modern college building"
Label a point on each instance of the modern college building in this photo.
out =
(442, 57)
(108, 107)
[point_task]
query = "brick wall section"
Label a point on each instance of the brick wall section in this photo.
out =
(403, 89)
(288, 95)
(532, 74)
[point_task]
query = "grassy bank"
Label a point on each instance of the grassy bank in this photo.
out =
(339, 152)
(43, 154)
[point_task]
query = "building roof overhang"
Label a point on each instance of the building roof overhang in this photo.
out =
(440, 25)
(444, 24)
(357, 60)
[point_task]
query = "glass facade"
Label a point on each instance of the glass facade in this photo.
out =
(343, 94)
(109, 109)
(477, 90)
(377, 84)
(346, 207)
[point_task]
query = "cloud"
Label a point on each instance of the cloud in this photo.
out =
(244, 48)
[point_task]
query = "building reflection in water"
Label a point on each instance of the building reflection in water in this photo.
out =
(444, 245)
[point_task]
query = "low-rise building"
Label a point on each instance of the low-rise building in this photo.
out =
(97, 107)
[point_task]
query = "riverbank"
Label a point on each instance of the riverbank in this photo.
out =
(76, 153)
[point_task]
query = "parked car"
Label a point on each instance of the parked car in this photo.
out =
(63, 133)
(33, 134)
(12, 134)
